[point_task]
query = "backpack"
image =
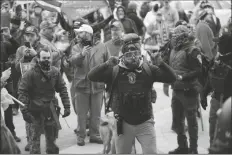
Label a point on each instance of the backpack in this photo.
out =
(205, 65)
(218, 74)
(115, 72)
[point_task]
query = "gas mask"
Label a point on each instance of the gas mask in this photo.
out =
(132, 58)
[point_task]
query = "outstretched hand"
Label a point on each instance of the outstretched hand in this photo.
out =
(155, 58)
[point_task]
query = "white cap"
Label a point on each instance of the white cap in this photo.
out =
(85, 28)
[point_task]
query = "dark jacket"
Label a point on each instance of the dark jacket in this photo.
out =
(215, 27)
(37, 90)
(138, 22)
(183, 16)
(129, 26)
(8, 50)
(103, 73)
(185, 62)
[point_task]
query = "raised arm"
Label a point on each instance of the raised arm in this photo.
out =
(163, 73)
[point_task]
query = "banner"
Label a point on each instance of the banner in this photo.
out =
(81, 8)
(24, 67)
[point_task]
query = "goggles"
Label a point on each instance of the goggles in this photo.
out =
(132, 54)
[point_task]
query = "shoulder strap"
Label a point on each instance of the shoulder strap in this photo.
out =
(114, 76)
(115, 73)
(147, 69)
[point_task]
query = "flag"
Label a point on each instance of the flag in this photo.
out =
(78, 9)
(50, 5)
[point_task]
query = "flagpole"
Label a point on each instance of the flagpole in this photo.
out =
(27, 11)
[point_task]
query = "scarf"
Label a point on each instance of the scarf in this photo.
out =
(138, 70)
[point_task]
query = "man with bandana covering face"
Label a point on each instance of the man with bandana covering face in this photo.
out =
(185, 59)
(37, 91)
(131, 93)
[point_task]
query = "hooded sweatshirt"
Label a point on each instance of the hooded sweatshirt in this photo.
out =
(128, 24)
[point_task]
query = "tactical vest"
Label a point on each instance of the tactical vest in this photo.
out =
(178, 61)
(134, 90)
(218, 74)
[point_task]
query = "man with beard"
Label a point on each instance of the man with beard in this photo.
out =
(25, 54)
(114, 45)
(37, 91)
(185, 59)
(131, 85)
(219, 80)
(128, 24)
(47, 30)
(86, 54)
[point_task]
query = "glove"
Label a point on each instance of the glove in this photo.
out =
(112, 61)
(28, 117)
(204, 103)
(66, 112)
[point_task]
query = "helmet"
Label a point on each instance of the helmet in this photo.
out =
(223, 138)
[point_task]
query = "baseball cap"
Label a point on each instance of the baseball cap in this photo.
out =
(46, 24)
(84, 28)
(31, 30)
(116, 25)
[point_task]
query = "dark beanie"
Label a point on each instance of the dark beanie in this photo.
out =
(15, 21)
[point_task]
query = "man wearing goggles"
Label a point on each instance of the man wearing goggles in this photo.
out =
(131, 93)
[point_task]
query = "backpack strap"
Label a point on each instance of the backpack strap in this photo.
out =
(147, 69)
(114, 76)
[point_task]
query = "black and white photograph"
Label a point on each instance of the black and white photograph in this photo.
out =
(116, 76)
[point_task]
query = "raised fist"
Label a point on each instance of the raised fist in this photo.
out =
(113, 61)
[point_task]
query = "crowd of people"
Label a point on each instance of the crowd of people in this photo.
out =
(102, 58)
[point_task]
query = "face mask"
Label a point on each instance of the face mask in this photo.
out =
(45, 65)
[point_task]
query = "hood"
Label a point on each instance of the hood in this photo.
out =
(115, 12)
